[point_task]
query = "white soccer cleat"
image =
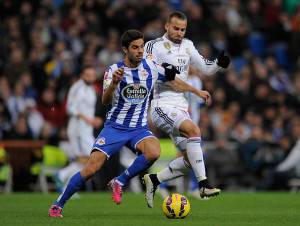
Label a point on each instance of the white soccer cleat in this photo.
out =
(150, 190)
(209, 192)
(195, 194)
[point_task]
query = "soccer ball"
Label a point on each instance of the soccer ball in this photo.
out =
(176, 206)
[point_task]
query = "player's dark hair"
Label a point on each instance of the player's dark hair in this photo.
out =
(177, 14)
(129, 36)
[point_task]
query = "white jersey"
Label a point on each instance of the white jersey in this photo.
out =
(81, 99)
(162, 50)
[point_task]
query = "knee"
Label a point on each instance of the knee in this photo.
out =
(194, 132)
(153, 154)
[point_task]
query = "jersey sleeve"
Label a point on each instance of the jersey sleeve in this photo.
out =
(159, 71)
(151, 53)
(107, 78)
(206, 66)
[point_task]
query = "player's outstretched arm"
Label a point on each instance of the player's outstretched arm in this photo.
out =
(206, 66)
(109, 92)
(181, 86)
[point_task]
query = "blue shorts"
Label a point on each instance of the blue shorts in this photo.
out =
(111, 139)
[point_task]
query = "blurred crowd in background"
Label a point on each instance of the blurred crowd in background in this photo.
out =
(251, 127)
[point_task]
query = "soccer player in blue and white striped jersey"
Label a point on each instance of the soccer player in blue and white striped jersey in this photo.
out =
(127, 87)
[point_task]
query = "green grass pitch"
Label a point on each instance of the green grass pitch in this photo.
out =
(228, 209)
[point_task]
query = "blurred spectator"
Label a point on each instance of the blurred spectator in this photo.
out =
(110, 53)
(20, 131)
(53, 112)
(17, 102)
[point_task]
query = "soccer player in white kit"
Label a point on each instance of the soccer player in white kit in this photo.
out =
(169, 108)
(81, 104)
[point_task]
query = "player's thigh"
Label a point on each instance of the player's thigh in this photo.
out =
(168, 119)
(110, 141)
(150, 147)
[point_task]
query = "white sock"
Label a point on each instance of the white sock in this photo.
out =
(177, 168)
(66, 173)
(195, 156)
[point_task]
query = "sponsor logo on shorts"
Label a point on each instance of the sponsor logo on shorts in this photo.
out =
(173, 114)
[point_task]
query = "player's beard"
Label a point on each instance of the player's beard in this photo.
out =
(134, 61)
(177, 41)
(174, 40)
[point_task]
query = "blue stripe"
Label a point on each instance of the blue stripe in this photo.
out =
(121, 101)
(129, 114)
(120, 63)
(161, 77)
(149, 87)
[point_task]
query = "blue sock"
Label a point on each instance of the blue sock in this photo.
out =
(163, 185)
(193, 181)
(139, 165)
(75, 184)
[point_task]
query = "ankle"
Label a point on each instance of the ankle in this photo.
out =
(154, 179)
(203, 183)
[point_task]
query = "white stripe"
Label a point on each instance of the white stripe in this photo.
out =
(137, 110)
(121, 115)
(144, 120)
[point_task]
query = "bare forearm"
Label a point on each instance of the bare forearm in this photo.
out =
(182, 86)
(108, 94)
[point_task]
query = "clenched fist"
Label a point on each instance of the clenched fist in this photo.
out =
(118, 75)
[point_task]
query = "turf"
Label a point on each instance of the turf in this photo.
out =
(265, 209)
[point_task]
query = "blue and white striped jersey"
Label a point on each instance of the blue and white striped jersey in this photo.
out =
(131, 98)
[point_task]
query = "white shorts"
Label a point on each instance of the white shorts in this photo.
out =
(169, 120)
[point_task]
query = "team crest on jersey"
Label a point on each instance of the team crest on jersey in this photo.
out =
(167, 45)
(134, 93)
(101, 141)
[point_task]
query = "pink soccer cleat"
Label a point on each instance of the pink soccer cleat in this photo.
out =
(116, 191)
(55, 211)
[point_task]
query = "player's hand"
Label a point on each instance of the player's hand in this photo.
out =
(118, 76)
(223, 60)
(206, 96)
(170, 71)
